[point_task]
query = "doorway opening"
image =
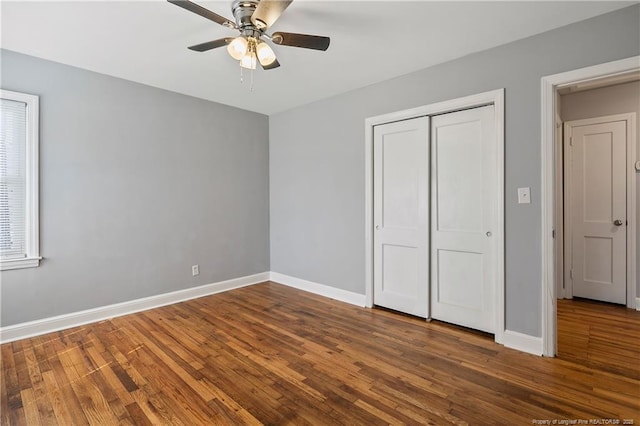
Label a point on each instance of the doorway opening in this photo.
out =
(568, 241)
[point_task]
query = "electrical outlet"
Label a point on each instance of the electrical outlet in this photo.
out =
(195, 270)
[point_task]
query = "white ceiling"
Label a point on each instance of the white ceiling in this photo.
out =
(371, 41)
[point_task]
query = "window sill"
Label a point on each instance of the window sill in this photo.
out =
(30, 262)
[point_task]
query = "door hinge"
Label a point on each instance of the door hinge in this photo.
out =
(571, 273)
(553, 233)
(571, 140)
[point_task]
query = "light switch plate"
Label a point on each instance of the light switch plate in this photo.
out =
(524, 195)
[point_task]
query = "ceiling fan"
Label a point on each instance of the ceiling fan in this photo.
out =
(252, 19)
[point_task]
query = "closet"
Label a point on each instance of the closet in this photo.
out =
(435, 216)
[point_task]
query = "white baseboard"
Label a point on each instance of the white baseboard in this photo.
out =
(320, 289)
(511, 339)
(61, 322)
(637, 303)
(522, 342)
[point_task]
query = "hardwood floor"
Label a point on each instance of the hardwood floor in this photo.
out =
(269, 354)
(600, 335)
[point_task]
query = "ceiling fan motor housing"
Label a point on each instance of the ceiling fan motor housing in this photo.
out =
(242, 11)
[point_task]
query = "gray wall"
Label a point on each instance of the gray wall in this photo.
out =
(317, 156)
(618, 99)
(137, 184)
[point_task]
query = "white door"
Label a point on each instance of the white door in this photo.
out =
(464, 218)
(401, 216)
(596, 200)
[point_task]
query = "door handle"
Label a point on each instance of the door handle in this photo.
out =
(617, 222)
(488, 234)
(377, 227)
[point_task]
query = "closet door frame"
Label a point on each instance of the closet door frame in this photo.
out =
(494, 97)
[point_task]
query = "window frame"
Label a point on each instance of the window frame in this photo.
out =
(32, 225)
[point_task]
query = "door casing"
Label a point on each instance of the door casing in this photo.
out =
(494, 97)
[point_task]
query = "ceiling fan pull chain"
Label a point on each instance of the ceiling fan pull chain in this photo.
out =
(251, 88)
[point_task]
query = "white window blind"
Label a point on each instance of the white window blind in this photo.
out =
(13, 141)
(19, 211)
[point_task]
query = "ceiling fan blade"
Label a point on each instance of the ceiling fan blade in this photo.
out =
(301, 40)
(205, 13)
(268, 12)
(203, 47)
(274, 64)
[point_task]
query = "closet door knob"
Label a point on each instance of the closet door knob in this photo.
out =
(617, 222)
(489, 233)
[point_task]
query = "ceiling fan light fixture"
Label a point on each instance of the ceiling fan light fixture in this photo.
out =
(249, 61)
(238, 48)
(265, 54)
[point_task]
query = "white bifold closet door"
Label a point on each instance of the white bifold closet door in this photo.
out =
(463, 220)
(401, 216)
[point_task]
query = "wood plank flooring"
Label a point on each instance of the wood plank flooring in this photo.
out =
(269, 354)
(600, 335)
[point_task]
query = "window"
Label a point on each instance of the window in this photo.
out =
(19, 245)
